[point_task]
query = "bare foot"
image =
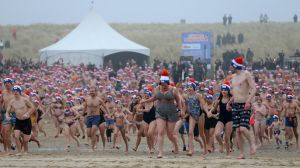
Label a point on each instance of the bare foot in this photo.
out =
(241, 156)
(227, 157)
(7, 154)
(159, 156)
(253, 150)
(19, 154)
(175, 151)
(258, 146)
(205, 152)
(91, 150)
(189, 154)
(68, 148)
(221, 150)
(209, 150)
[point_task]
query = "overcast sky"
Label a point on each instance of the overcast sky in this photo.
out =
(145, 11)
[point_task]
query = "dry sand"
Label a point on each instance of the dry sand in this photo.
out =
(52, 154)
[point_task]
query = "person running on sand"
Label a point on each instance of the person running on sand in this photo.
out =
(225, 117)
(290, 109)
(243, 91)
(40, 115)
(166, 111)
(23, 109)
(276, 127)
(57, 112)
(195, 104)
(110, 123)
(271, 107)
(7, 124)
(260, 111)
(120, 119)
(79, 107)
(149, 121)
(92, 107)
(182, 123)
(70, 125)
(138, 112)
(210, 123)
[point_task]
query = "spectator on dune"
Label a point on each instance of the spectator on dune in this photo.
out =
(261, 18)
(249, 56)
(14, 33)
(240, 38)
(219, 40)
(229, 19)
(224, 19)
(297, 53)
(1, 45)
(266, 18)
(295, 18)
(281, 58)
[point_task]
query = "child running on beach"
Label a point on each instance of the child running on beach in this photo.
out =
(276, 127)
(120, 121)
(109, 125)
(70, 128)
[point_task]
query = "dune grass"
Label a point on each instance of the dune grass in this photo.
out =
(164, 40)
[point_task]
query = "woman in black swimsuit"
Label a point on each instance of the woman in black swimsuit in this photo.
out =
(225, 117)
(40, 117)
(150, 122)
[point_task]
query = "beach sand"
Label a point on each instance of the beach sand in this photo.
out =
(52, 154)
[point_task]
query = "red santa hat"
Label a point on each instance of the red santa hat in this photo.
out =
(290, 96)
(237, 63)
(192, 83)
(226, 86)
(164, 78)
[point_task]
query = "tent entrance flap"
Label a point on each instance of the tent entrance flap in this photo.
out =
(119, 60)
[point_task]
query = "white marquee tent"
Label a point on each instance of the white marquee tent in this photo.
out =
(90, 42)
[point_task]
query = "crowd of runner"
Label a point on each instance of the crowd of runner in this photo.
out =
(88, 105)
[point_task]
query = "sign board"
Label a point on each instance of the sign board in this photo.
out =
(197, 45)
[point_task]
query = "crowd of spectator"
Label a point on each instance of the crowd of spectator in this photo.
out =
(229, 39)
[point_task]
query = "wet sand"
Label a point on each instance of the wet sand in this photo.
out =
(52, 154)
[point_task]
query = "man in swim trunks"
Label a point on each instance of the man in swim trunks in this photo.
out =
(7, 96)
(23, 109)
(290, 109)
(242, 84)
(92, 107)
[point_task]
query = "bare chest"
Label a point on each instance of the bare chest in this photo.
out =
(239, 81)
(93, 103)
(19, 105)
(7, 97)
